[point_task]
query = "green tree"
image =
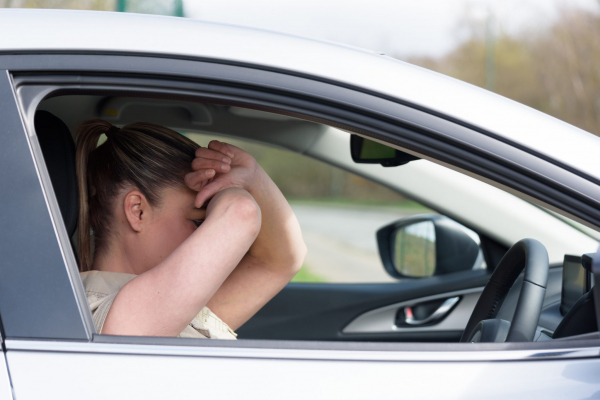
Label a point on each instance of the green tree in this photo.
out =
(555, 70)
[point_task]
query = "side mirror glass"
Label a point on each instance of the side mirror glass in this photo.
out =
(427, 245)
(414, 249)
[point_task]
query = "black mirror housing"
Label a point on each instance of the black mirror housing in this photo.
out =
(365, 151)
(455, 250)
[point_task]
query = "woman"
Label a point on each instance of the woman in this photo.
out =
(181, 234)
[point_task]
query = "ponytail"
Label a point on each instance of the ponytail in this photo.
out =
(146, 156)
(88, 135)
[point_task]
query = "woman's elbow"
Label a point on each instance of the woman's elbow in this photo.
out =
(299, 254)
(246, 212)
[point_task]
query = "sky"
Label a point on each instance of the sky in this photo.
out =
(402, 28)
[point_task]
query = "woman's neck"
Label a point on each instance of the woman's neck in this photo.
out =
(113, 259)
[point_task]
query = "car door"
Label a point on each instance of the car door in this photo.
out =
(53, 350)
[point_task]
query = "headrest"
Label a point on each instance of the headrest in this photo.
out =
(58, 148)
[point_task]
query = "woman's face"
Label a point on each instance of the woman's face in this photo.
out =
(167, 226)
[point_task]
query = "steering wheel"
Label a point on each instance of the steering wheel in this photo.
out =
(527, 254)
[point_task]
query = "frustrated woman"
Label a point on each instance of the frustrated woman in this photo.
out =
(188, 241)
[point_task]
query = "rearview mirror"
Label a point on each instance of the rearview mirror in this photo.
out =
(365, 151)
(427, 245)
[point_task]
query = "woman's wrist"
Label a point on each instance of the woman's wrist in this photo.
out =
(259, 181)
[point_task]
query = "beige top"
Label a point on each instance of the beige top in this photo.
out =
(102, 287)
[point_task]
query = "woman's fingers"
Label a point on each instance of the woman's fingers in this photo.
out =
(221, 147)
(203, 152)
(208, 192)
(196, 180)
(204, 163)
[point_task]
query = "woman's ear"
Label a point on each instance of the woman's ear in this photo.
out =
(136, 210)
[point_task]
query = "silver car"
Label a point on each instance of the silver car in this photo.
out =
(489, 310)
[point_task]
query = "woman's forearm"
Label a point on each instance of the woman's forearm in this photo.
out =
(279, 243)
(271, 262)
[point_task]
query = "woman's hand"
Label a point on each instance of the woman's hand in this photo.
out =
(220, 166)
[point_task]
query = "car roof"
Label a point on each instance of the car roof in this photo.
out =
(69, 30)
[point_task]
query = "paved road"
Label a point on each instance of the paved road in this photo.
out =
(341, 241)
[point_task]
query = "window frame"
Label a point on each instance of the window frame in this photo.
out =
(407, 127)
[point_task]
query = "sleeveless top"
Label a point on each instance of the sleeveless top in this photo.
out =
(102, 287)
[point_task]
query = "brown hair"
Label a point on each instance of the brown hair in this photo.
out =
(146, 156)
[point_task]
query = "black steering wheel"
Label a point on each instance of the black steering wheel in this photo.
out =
(527, 254)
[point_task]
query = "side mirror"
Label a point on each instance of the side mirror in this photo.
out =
(427, 245)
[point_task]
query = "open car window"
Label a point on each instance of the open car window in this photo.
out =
(344, 207)
(305, 311)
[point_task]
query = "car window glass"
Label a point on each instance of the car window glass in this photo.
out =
(339, 213)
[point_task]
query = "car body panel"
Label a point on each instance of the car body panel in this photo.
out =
(100, 371)
(69, 363)
(5, 384)
(367, 70)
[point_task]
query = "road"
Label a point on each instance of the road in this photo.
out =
(341, 242)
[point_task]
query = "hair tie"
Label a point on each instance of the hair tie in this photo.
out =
(112, 131)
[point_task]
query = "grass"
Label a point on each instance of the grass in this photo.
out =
(306, 276)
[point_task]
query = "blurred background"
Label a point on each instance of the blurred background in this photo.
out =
(542, 53)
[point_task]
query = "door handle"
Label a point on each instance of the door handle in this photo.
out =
(437, 315)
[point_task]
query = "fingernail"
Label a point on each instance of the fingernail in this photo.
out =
(227, 160)
(230, 154)
(225, 167)
(210, 172)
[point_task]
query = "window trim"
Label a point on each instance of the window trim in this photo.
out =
(315, 350)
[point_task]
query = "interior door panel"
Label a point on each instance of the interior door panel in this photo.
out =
(303, 311)
(366, 312)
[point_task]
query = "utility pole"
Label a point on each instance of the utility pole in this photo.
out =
(177, 10)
